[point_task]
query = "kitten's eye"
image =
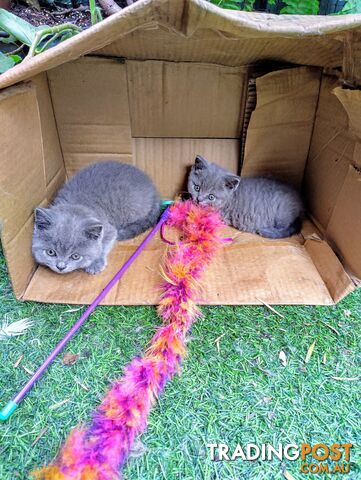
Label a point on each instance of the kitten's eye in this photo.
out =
(75, 256)
(51, 252)
(211, 197)
(197, 188)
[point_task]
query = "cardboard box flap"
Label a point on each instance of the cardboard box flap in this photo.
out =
(330, 155)
(279, 132)
(332, 177)
(344, 228)
(160, 42)
(211, 108)
(252, 270)
(330, 268)
(187, 17)
(351, 101)
(90, 99)
(21, 188)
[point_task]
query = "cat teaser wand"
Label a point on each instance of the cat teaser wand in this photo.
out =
(13, 404)
(98, 450)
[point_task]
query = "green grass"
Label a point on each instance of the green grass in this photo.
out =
(239, 394)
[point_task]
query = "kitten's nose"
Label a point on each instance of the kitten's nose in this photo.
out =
(60, 266)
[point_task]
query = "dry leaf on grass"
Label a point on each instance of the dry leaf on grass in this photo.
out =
(27, 370)
(71, 310)
(59, 404)
(14, 329)
(324, 359)
(288, 476)
(18, 361)
(270, 308)
(70, 358)
(283, 358)
(84, 387)
(347, 379)
(43, 432)
(330, 327)
(216, 341)
(310, 352)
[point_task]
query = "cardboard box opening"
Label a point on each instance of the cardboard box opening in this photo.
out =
(295, 123)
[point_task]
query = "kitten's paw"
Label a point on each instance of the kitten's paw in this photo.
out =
(96, 267)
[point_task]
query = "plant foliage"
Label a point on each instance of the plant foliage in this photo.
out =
(305, 7)
(15, 30)
(8, 61)
(352, 6)
(230, 4)
(301, 7)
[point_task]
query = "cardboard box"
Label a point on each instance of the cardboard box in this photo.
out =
(165, 80)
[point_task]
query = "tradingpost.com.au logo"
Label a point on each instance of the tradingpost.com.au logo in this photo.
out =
(318, 458)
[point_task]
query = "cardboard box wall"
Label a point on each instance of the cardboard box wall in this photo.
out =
(167, 80)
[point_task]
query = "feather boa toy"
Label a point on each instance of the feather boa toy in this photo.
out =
(97, 452)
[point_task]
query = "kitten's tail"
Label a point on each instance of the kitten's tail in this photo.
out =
(277, 232)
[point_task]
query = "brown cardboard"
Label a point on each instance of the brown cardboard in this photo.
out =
(330, 154)
(167, 160)
(250, 271)
(20, 115)
(90, 101)
(330, 268)
(352, 57)
(20, 192)
(162, 105)
(50, 138)
(344, 227)
(180, 91)
(212, 44)
(280, 129)
(201, 32)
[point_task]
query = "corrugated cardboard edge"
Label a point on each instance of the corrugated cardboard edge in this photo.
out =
(184, 17)
(330, 269)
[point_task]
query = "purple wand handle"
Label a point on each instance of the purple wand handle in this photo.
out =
(12, 405)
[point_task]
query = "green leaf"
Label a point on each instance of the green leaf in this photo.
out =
(301, 7)
(8, 39)
(5, 62)
(248, 5)
(351, 6)
(15, 58)
(16, 26)
(229, 4)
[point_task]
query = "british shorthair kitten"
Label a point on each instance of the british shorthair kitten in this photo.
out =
(251, 204)
(102, 203)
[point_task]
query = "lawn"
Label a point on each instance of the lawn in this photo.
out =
(232, 390)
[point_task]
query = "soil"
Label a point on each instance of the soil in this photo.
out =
(57, 15)
(78, 16)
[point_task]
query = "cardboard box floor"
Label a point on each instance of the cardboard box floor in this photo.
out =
(168, 101)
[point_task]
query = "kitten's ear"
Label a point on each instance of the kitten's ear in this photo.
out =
(93, 231)
(42, 218)
(231, 181)
(200, 163)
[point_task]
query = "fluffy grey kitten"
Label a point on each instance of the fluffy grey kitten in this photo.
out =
(251, 204)
(102, 203)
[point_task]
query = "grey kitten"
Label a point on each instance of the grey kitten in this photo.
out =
(102, 203)
(251, 204)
